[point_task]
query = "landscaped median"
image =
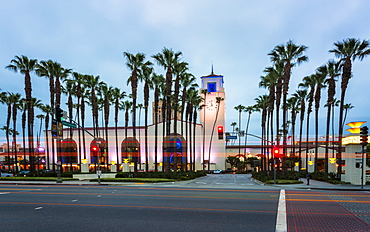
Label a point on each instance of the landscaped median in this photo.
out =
(21, 178)
(146, 180)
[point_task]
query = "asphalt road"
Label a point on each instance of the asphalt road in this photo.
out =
(213, 203)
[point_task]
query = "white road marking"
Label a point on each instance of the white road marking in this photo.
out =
(281, 225)
(5, 193)
(74, 200)
(99, 196)
(38, 208)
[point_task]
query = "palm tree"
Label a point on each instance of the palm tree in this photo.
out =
(320, 78)
(293, 105)
(270, 82)
(262, 105)
(15, 99)
(6, 99)
(204, 92)
(333, 71)
(249, 110)
(240, 109)
(346, 108)
(308, 82)
(48, 112)
(301, 95)
(347, 51)
(23, 108)
(134, 63)
(291, 55)
(117, 95)
(233, 124)
(25, 66)
(157, 81)
(146, 77)
(196, 107)
(218, 102)
(105, 94)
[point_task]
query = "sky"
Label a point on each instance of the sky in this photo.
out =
(235, 36)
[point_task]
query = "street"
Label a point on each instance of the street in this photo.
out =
(213, 203)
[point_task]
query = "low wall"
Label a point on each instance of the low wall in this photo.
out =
(89, 176)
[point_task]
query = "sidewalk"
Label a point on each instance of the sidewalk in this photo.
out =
(315, 184)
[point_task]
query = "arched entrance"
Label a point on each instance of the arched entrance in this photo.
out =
(130, 151)
(174, 153)
(68, 155)
(98, 154)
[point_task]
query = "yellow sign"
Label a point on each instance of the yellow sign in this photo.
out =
(84, 161)
(125, 161)
(113, 162)
(332, 160)
(310, 162)
(296, 164)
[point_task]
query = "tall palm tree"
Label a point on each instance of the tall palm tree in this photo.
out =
(262, 105)
(117, 95)
(293, 106)
(270, 82)
(25, 66)
(15, 99)
(23, 109)
(291, 55)
(320, 78)
(240, 108)
(146, 77)
(168, 59)
(204, 92)
(301, 95)
(196, 107)
(6, 99)
(157, 81)
(347, 51)
(48, 111)
(308, 83)
(218, 103)
(333, 71)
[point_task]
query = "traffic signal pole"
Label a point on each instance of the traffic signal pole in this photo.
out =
(364, 131)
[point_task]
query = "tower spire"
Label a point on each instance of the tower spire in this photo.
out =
(212, 69)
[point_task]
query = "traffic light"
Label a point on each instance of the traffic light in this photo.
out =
(220, 131)
(94, 148)
(276, 152)
(54, 130)
(59, 114)
(364, 133)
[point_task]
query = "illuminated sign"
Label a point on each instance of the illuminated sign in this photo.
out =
(310, 162)
(352, 140)
(332, 160)
(84, 161)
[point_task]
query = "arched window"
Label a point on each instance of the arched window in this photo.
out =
(130, 150)
(175, 152)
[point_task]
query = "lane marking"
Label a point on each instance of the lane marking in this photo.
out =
(5, 193)
(37, 208)
(74, 200)
(281, 225)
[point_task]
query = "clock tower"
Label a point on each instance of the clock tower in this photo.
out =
(212, 117)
